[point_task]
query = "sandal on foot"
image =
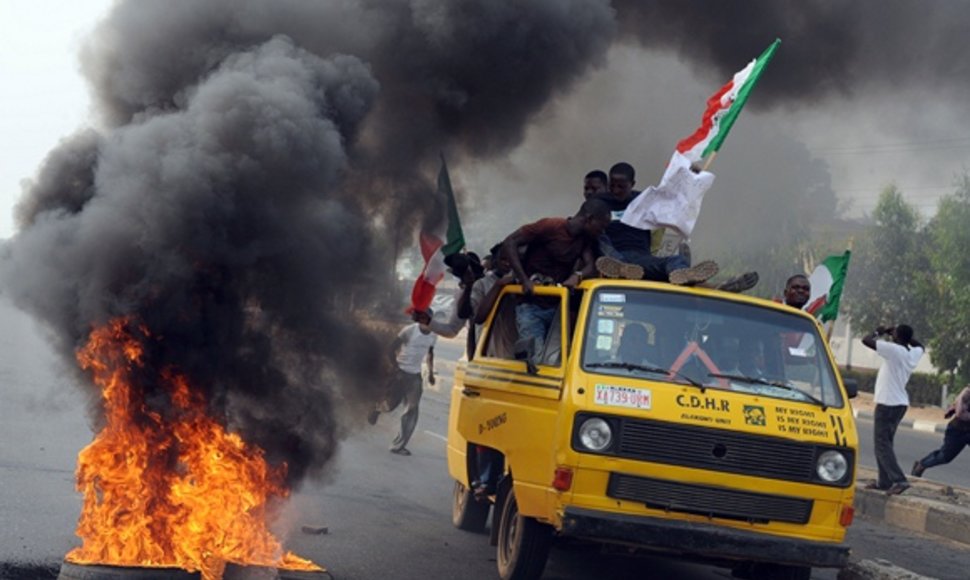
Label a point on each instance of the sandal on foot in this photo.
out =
(745, 281)
(613, 268)
(897, 488)
(695, 274)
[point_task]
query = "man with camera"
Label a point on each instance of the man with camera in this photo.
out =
(901, 354)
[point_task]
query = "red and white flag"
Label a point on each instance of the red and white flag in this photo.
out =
(443, 239)
(675, 204)
(723, 109)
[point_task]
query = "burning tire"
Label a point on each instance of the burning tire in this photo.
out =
(466, 512)
(71, 571)
(523, 543)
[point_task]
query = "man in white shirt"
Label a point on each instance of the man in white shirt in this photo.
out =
(901, 356)
(408, 350)
(467, 268)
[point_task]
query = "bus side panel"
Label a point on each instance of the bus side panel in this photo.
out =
(457, 444)
(511, 418)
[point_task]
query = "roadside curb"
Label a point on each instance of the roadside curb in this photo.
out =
(915, 424)
(941, 517)
(877, 570)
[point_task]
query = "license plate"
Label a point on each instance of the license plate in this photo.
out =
(614, 396)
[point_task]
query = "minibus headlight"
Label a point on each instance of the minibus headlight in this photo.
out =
(595, 434)
(832, 466)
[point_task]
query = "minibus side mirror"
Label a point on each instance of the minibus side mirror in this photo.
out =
(851, 386)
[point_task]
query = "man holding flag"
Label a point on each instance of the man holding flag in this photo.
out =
(675, 203)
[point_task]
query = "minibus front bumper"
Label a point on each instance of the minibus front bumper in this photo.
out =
(700, 540)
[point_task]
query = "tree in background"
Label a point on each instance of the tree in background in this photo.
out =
(764, 210)
(890, 278)
(949, 292)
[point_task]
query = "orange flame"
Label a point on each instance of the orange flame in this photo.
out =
(174, 490)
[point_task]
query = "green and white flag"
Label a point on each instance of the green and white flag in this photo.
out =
(443, 239)
(827, 281)
(723, 109)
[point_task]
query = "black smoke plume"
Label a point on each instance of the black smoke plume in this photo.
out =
(252, 160)
(829, 49)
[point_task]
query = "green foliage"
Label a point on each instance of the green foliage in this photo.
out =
(760, 218)
(923, 388)
(889, 278)
(949, 293)
(904, 272)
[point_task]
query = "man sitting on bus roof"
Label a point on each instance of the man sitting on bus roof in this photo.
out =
(627, 252)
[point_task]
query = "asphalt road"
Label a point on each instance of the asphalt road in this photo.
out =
(387, 516)
(911, 445)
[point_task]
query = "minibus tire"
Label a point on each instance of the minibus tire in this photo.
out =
(467, 513)
(523, 543)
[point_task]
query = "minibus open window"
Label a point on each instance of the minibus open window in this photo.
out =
(503, 342)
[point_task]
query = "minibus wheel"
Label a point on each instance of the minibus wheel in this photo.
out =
(523, 543)
(466, 512)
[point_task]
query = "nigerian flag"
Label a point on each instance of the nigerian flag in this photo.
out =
(442, 239)
(827, 281)
(723, 109)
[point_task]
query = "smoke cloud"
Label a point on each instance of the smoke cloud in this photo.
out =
(256, 162)
(829, 49)
(251, 162)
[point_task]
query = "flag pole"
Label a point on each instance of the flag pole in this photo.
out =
(709, 160)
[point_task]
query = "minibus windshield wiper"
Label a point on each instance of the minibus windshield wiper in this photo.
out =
(645, 368)
(778, 384)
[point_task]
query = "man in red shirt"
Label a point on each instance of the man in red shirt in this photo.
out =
(557, 251)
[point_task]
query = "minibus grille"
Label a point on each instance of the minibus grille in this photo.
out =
(716, 450)
(716, 502)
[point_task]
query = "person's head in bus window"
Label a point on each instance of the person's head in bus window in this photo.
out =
(634, 344)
